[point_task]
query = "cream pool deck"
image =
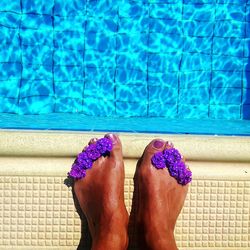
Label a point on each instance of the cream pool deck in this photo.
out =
(37, 210)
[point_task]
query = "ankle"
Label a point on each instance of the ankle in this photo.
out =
(112, 235)
(111, 240)
(161, 241)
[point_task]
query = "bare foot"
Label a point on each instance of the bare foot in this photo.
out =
(160, 201)
(100, 195)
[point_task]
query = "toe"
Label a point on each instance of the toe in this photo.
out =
(169, 144)
(93, 140)
(117, 146)
(153, 147)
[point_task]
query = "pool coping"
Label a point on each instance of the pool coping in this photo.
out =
(68, 143)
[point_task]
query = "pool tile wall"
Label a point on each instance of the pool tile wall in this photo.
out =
(173, 59)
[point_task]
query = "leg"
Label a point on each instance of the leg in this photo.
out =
(100, 195)
(160, 201)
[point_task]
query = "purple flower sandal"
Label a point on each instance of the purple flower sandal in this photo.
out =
(91, 153)
(172, 160)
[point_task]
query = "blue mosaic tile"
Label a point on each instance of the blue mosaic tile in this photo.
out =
(146, 2)
(73, 89)
(68, 105)
(228, 46)
(35, 21)
(10, 71)
(36, 88)
(226, 79)
(102, 90)
(161, 109)
(195, 79)
(132, 43)
(198, 28)
(67, 57)
(196, 61)
(69, 40)
(166, 11)
(232, 1)
(199, 12)
(6, 91)
(226, 96)
(227, 63)
(69, 7)
(200, 1)
(37, 72)
(131, 93)
(198, 111)
(132, 9)
(102, 8)
(246, 78)
(94, 106)
(247, 30)
(6, 5)
(37, 6)
(247, 15)
(194, 96)
(230, 12)
(246, 112)
(36, 105)
(10, 20)
(163, 1)
(136, 60)
(163, 79)
(163, 94)
(247, 48)
(171, 43)
(9, 35)
(36, 55)
(100, 41)
(65, 23)
(101, 25)
(10, 53)
(225, 112)
(34, 37)
(136, 25)
(96, 74)
(229, 29)
(164, 62)
(130, 76)
(8, 105)
(97, 59)
(131, 109)
(246, 63)
(64, 73)
(246, 95)
(165, 26)
(197, 44)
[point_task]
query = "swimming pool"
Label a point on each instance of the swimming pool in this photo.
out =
(164, 60)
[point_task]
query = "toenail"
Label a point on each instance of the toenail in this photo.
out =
(158, 144)
(93, 140)
(112, 137)
(170, 144)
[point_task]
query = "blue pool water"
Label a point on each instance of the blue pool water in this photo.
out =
(169, 59)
